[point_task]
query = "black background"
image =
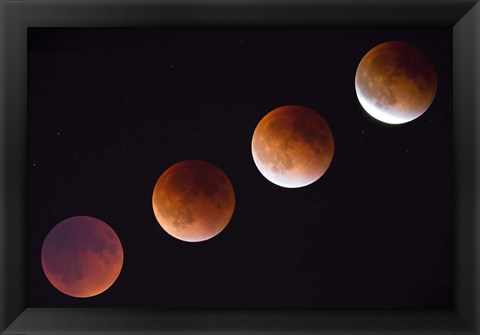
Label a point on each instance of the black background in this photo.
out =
(110, 109)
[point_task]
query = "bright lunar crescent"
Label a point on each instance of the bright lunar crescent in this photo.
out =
(193, 200)
(82, 256)
(292, 146)
(395, 82)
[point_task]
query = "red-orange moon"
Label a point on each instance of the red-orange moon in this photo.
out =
(292, 146)
(395, 82)
(82, 256)
(193, 200)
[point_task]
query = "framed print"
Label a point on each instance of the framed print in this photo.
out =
(239, 167)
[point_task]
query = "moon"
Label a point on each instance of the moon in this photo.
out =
(82, 256)
(292, 146)
(193, 200)
(395, 82)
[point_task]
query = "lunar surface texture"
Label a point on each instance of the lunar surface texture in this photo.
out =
(82, 256)
(193, 200)
(395, 82)
(292, 146)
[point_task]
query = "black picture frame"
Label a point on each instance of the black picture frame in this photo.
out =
(17, 15)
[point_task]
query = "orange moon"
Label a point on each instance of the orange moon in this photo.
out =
(292, 146)
(82, 256)
(193, 200)
(395, 82)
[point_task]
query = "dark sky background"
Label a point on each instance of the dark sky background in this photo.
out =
(110, 109)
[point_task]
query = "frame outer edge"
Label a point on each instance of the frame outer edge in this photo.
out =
(2, 253)
(476, 111)
(466, 93)
(7, 317)
(12, 165)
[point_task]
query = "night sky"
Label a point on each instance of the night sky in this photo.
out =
(110, 109)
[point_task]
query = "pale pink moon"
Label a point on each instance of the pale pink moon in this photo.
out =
(193, 200)
(395, 82)
(292, 146)
(82, 256)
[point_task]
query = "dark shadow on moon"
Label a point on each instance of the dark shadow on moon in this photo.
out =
(67, 245)
(193, 200)
(182, 217)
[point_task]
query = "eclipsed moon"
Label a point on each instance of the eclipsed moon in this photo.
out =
(395, 82)
(82, 256)
(292, 146)
(193, 200)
